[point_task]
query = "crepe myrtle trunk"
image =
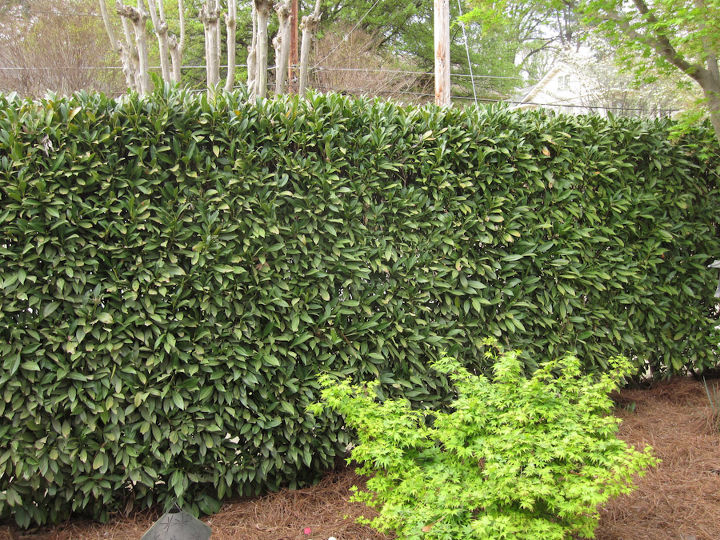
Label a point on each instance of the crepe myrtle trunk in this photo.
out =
(282, 45)
(230, 26)
(137, 17)
(262, 9)
(210, 17)
(252, 50)
(124, 47)
(309, 25)
(161, 32)
(177, 44)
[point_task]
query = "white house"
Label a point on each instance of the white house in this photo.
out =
(580, 84)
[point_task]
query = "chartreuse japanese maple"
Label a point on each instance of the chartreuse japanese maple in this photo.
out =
(514, 457)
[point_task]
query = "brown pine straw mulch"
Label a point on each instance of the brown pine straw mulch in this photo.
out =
(678, 500)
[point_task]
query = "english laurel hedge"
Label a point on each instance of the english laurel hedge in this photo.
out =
(175, 272)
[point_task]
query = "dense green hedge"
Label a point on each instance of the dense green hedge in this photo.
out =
(174, 273)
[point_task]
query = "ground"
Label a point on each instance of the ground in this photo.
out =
(678, 500)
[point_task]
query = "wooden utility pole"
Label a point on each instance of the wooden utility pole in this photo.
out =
(442, 52)
(292, 64)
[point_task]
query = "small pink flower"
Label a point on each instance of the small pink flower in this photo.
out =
(307, 530)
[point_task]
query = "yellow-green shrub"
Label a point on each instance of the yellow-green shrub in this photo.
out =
(513, 458)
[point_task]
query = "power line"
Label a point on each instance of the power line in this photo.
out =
(385, 92)
(55, 13)
(411, 72)
(489, 100)
(590, 106)
(33, 68)
(365, 70)
(467, 51)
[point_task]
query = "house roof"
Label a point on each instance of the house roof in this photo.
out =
(539, 87)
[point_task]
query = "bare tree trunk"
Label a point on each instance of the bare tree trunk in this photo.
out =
(714, 107)
(712, 96)
(309, 25)
(210, 16)
(175, 59)
(710, 80)
(293, 61)
(262, 8)
(207, 43)
(141, 39)
(231, 26)
(252, 52)
(108, 26)
(282, 45)
(131, 54)
(161, 31)
(138, 16)
(218, 39)
(120, 47)
(177, 46)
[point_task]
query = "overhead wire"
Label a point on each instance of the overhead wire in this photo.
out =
(32, 11)
(508, 101)
(33, 68)
(413, 72)
(385, 92)
(467, 51)
(368, 70)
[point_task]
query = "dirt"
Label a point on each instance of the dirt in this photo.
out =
(680, 499)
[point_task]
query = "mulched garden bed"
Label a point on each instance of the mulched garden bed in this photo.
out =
(678, 500)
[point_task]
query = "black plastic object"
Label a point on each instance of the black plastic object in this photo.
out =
(178, 525)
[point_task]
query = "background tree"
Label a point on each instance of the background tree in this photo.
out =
(187, 31)
(503, 55)
(365, 69)
(534, 34)
(662, 36)
(262, 10)
(133, 47)
(653, 37)
(56, 45)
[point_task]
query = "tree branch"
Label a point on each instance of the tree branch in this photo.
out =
(161, 32)
(108, 26)
(710, 55)
(181, 15)
(538, 49)
(660, 42)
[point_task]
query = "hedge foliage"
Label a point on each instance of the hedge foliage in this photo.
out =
(175, 272)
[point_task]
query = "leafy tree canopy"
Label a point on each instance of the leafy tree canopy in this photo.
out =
(405, 31)
(651, 37)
